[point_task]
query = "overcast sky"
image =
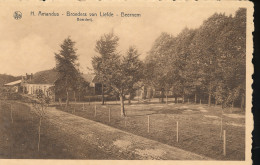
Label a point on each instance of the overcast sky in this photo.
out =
(28, 45)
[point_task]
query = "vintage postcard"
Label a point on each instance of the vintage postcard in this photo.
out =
(94, 82)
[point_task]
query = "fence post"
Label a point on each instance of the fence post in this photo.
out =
(224, 142)
(95, 111)
(148, 125)
(221, 127)
(11, 113)
(177, 136)
(200, 101)
(83, 106)
(125, 121)
(188, 101)
(109, 115)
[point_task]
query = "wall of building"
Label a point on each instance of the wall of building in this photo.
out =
(33, 88)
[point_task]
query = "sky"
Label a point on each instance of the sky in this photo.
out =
(28, 45)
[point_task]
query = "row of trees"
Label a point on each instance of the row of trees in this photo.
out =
(209, 60)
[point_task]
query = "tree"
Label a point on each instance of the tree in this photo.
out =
(205, 48)
(183, 64)
(132, 67)
(208, 60)
(66, 62)
(158, 71)
(106, 48)
(39, 107)
(81, 87)
(119, 73)
(232, 53)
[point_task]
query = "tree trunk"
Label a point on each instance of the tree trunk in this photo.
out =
(39, 138)
(183, 99)
(122, 106)
(209, 101)
(162, 96)
(175, 99)
(166, 97)
(242, 102)
(138, 96)
(103, 100)
(74, 96)
(232, 106)
(60, 102)
(129, 99)
(195, 99)
(67, 100)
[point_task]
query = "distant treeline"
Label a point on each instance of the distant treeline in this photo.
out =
(4, 78)
(208, 61)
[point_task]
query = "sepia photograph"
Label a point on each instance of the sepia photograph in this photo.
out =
(126, 81)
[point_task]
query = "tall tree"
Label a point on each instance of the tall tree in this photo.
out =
(66, 65)
(232, 52)
(119, 73)
(157, 67)
(205, 47)
(106, 48)
(183, 63)
(132, 67)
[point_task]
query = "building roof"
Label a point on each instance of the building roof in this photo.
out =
(14, 83)
(50, 76)
(96, 79)
(88, 77)
(44, 77)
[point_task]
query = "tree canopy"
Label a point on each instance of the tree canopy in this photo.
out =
(117, 72)
(209, 60)
(66, 65)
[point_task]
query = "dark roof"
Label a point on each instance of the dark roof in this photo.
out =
(96, 79)
(44, 77)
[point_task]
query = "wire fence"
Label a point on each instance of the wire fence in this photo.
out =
(198, 134)
(190, 131)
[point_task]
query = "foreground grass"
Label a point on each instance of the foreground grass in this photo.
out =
(199, 126)
(19, 139)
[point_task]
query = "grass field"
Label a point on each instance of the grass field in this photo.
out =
(19, 139)
(199, 126)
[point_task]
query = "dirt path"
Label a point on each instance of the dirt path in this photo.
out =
(79, 132)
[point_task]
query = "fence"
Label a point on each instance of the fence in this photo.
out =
(191, 133)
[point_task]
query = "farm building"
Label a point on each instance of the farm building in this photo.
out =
(43, 81)
(14, 86)
(95, 85)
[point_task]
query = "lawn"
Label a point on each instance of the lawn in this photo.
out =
(19, 139)
(199, 126)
